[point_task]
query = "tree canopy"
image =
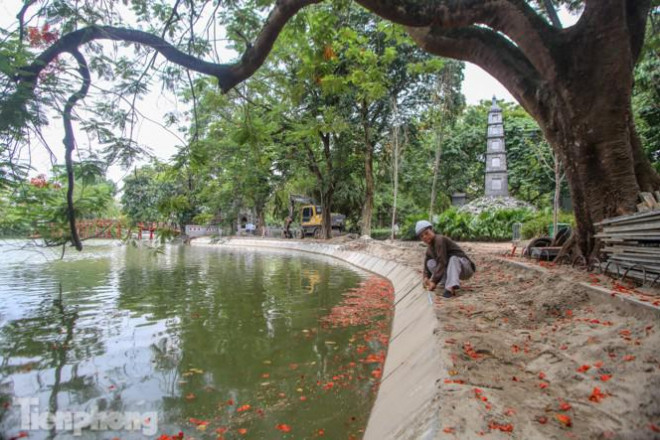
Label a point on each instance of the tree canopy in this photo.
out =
(60, 51)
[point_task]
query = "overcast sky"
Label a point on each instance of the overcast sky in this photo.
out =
(478, 85)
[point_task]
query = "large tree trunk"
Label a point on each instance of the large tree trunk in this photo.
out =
(577, 84)
(326, 204)
(604, 165)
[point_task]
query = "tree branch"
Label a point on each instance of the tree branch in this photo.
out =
(552, 13)
(514, 18)
(21, 18)
(70, 142)
(228, 75)
(494, 53)
(637, 12)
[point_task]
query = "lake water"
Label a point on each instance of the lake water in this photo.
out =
(119, 342)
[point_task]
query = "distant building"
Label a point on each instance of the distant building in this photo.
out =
(497, 183)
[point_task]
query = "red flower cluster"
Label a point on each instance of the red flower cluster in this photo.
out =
(41, 37)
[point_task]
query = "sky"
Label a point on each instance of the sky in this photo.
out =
(478, 85)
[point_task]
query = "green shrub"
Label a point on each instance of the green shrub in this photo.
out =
(495, 225)
(407, 231)
(537, 226)
(381, 234)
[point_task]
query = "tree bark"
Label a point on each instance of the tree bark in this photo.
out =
(436, 171)
(367, 209)
(577, 84)
(396, 174)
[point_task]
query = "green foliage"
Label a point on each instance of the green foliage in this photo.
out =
(38, 205)
(496, 225)
(646, 95)
(537, 225)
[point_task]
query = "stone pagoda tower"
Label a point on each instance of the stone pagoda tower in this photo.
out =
(497, 183)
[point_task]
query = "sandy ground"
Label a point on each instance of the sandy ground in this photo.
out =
(529, 354)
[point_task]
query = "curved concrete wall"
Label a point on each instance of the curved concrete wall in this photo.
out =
(406, 406)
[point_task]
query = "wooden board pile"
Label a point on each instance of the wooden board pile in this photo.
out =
(632, 242)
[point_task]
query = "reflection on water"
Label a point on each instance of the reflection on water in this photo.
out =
(207, 341)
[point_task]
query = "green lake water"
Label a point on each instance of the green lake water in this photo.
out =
(123, 343)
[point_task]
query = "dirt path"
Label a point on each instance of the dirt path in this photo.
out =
(529, 355)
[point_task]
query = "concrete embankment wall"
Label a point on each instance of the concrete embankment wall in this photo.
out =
(406, 406)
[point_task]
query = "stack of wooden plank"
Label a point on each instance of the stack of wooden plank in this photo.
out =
(632, 242)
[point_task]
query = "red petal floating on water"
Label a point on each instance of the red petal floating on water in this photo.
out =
(283, 427)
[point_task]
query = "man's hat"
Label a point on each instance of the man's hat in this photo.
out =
(421, 226)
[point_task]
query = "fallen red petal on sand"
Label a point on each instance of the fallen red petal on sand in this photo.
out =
(542, 420)
(449, 430)
(504, 428)
(509, 412)
(598, 364)
(597, 395)
(654, 428)
(583, 368)
(541, 375)
(283, 427)
(564, 420)
(565, 406)
(605, 377)
(543, 385)
(515, 379)
(629, 358)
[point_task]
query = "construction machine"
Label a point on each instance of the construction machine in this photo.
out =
(310, 217)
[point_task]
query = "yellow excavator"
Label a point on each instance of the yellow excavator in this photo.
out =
(310, 217)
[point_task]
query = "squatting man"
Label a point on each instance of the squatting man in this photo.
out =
(445, 262)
